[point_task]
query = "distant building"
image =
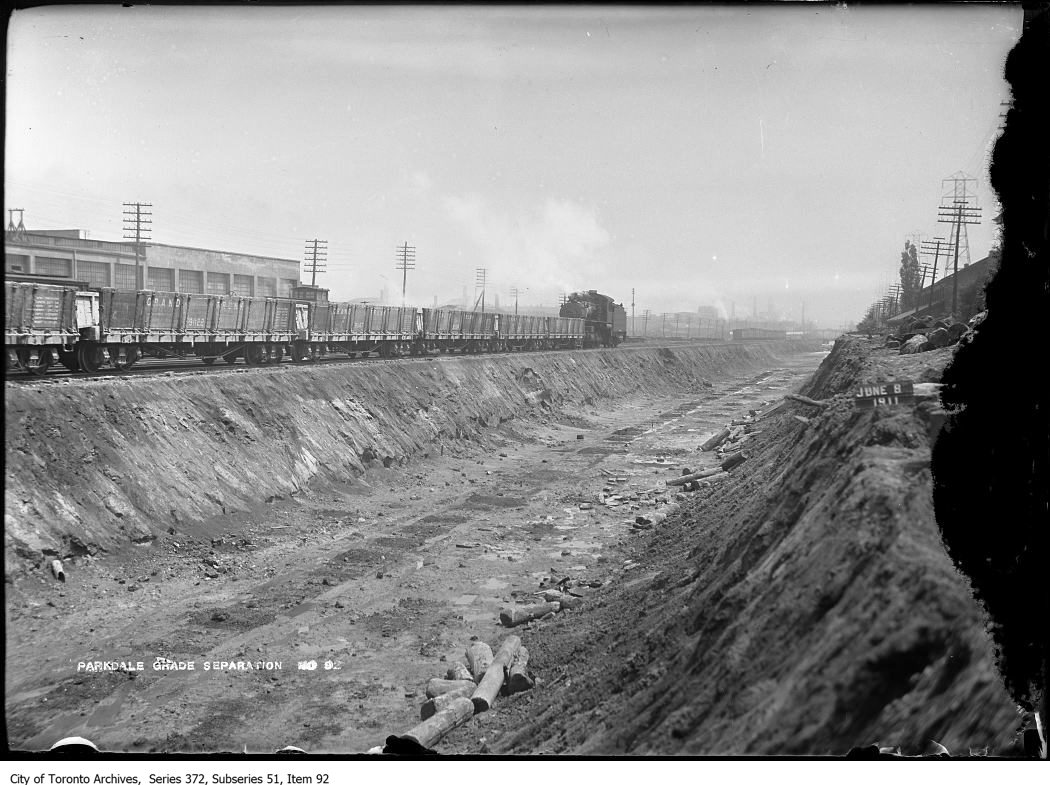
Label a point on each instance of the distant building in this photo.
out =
(69, 254)
(707, 312)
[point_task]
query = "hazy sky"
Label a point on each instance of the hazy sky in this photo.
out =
(702, 155)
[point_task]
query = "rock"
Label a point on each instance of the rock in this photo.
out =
(911, 346)
(938, 338)
(956, 331)
(976, 319)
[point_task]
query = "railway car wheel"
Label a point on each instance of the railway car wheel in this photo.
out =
(123, 357)
(253, 354)
(277, 353)
(69, 360)
(90, 357)
(300, 353)
(35, 362)
(208, 360)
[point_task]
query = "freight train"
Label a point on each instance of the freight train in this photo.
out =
(605, 322)
(88, 328)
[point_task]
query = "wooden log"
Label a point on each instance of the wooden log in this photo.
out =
(443, 701)
(518, 678)
(694, 476)
(512, 617)
(479, 657)
(733, 460)
(488, 689)
(437, 687)
(715, 440)
(770, 409)
(711, 479)
(805, 400)
(457, 671)
(432, 730)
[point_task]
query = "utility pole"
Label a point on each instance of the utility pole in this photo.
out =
(959, 213)
(406, 260)
(136, 227)
(316, 255)
(957, 189)
(480, 278)
(514, 292)
(935, 247)
(634, 326)
(677, 321)
(645, 323)
(663, 325)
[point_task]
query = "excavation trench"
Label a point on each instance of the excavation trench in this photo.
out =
(369, 519)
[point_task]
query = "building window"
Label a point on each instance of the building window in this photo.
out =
(266, 287)
(284, 288)
(242, 284)
(191, 281)
(16, 262)
(93, 273)
(161, 279)
(47, 265)
(124, 276)
(218, 283)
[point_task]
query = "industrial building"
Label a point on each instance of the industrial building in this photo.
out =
(160, 267)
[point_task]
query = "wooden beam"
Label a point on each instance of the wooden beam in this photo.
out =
(443, 701)
(479, 657)
(512, 617)
(432, 730)
(488, 689)
(518, 678)
(437, 687)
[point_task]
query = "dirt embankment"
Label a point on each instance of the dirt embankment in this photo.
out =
(94, 465)
(804, 606)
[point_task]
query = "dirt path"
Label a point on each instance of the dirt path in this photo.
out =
(378, 582)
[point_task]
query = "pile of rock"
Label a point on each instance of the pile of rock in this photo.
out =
(926, 333)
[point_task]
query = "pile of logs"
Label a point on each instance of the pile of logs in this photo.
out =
(471, 688)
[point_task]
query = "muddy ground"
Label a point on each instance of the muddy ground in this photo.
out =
(804, 605)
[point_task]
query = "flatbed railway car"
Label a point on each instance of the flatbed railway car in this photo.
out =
(86, 329)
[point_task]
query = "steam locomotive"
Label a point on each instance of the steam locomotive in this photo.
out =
(605, 322)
